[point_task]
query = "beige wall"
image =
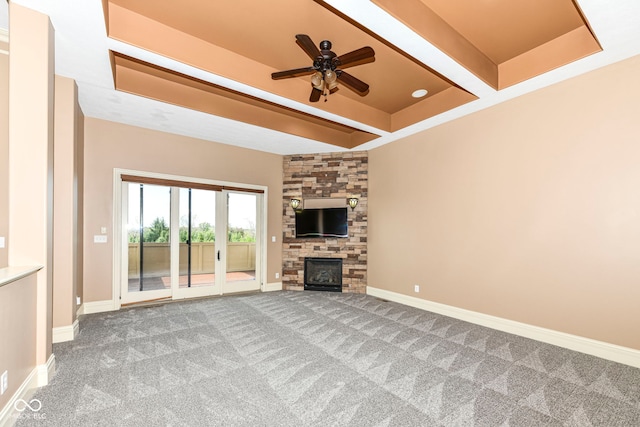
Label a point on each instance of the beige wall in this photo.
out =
(65, 225)
(109, 145)
(18, 332)
(529, 210)
(31, 157)
(4, 153)
(26, 196)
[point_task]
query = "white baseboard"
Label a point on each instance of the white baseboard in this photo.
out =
(96, 307)
(38, 377)
(66, 333)
(270, 287)
(616, 353)
(46, 371)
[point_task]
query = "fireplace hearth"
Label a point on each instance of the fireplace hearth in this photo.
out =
(323, 274)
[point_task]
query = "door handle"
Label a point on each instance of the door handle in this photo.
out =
(218, 255)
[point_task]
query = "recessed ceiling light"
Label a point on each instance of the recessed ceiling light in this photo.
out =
(419, 93)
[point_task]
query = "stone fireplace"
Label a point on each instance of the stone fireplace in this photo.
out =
(326, 177)
(323, 274)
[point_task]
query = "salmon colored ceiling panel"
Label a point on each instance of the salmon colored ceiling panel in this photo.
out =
(143, 32)
(140, 78)
(579, 42)
(221, 38)
(425, 22)
(483, 36)
(504, 29)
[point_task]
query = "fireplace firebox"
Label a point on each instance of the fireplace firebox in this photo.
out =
(323, 274)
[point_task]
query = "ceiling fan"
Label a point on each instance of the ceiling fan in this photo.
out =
(328, 68)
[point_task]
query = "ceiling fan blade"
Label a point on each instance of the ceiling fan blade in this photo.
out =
(359, 56)
(315, 95)
(305, 42)
(296, 72)
(356, 85)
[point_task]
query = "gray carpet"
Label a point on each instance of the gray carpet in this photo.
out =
(321, 359)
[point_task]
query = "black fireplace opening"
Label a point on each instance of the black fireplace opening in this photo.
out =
(323, 274)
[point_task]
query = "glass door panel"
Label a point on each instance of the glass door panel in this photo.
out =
(197, 253)
(242, 239)
(148, 236)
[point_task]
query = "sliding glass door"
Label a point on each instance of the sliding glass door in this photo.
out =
(183, 242)
(148, 216)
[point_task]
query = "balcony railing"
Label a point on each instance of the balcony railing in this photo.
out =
(241, 256)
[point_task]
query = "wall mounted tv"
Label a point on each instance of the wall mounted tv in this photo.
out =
(327, 222)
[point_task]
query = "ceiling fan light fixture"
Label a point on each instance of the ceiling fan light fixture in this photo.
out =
(331, 79)
(317, 80)
(419, 93)
(330, 76)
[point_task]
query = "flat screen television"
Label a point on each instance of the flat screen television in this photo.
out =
(327, 222)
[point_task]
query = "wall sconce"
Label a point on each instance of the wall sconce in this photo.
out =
(353, 202)
(295, 204)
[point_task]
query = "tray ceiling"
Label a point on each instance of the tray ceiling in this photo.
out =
(205, 66)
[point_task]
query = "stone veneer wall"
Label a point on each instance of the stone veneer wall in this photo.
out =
(318, 176)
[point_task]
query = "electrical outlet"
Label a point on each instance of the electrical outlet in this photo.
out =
(416, 288)
(4, 382)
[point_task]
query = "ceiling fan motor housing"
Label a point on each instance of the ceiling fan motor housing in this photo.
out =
(326, 60)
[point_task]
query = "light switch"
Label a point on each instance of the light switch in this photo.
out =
(99, 239)
(273, 238)
(1, 242)
(103, 230)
